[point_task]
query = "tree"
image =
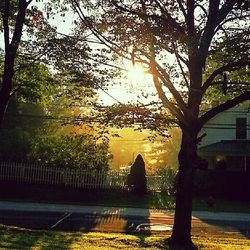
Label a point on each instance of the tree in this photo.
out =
(72, 151)
(30, 40)
(11, 46)
(195, 32)
(39, 123)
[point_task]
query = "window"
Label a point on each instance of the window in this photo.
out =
(241, 128)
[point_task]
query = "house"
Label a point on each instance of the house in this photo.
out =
(226, 147)
(227, 144)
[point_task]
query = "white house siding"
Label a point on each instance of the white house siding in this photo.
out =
(223, 126)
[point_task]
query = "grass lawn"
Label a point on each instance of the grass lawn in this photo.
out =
(18, 238)
(222, 205)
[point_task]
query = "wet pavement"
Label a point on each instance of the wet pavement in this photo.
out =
(117, 219)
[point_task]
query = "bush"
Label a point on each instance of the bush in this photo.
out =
(222, 184)
(73, 151)
(14, 144)
(137, 181)
(169, 175)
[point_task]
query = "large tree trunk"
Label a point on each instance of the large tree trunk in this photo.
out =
(6, 85)
(10, 51)
(4, 100)
(181, 235)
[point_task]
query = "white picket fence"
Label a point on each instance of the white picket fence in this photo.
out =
(42, 174)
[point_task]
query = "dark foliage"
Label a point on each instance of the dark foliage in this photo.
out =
(222, 184)
(137, 181)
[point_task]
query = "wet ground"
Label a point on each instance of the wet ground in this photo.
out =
(151, 224)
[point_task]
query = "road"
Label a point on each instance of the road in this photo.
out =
(106, 219)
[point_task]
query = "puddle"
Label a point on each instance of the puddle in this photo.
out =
(154, 227)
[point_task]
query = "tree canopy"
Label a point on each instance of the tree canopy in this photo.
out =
(186, 46)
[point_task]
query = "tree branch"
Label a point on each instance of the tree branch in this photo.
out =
(19, 23)
(33, 61)
(5, 16)
(190, 17)
(229, 67)
(222, 107)
(181, 68)
(167, 82)
(166, 103)
(165, 18)
(182, 8)
(176, 112)
(215, 17)
(202, 8)
(241, 17)
(230, 83)
(96, 33)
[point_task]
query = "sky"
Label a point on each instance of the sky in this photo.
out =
(134, 84)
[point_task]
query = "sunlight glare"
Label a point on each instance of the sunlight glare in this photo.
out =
(136, 74)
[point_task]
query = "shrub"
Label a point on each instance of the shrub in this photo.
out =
(14, 144)
(137, 181)
(73, 151)
(169, 175)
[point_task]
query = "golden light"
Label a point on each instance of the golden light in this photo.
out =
(136, 74)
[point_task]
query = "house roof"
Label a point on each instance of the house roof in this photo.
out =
(227, 147)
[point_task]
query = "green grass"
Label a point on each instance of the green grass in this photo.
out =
(17, 238)
(221, 205)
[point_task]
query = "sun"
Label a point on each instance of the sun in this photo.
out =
(136, 74)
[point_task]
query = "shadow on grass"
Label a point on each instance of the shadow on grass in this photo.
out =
(18, 238)
(44, 240)
(140, 223)
(161, 243)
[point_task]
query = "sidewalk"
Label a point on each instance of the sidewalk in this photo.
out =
(100, 210)
(123, 211)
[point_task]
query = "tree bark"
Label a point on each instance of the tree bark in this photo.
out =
(181, 235)
(4, 100)
(10, 52)
(6, 83)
